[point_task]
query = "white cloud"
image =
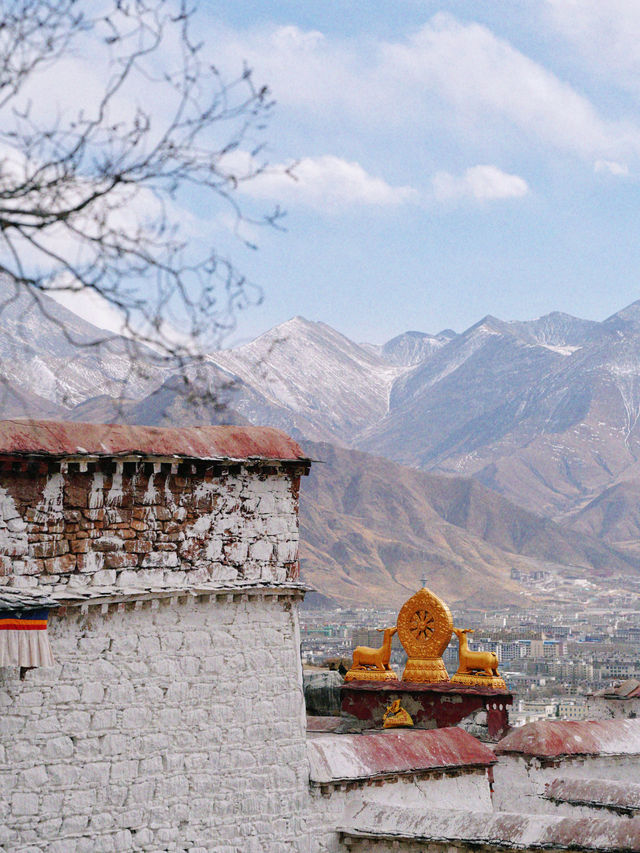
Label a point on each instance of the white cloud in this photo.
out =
(620, 170)
(608, 33)
(480, 183)
(446, 71)
(325, 183)
(484, 76)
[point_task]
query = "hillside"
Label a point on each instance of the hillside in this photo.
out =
(52, 360)
(370, 528)
(310, 380)
(542, 413)
(549, 425)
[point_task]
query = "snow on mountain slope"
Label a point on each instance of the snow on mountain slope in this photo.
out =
(326, 385)
(460, 398)
(547, 429)
(411, 348)
(48, 351)
(556, 330)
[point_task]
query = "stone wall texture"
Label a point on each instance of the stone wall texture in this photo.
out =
(601, 708)
(522, 780)
(167, 725)
(141, 523)
(468, 791)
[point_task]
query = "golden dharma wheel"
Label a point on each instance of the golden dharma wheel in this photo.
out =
(425, 626)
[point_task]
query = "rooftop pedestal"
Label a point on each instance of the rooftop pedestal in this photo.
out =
(431, 706)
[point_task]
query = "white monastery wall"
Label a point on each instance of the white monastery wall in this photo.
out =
(168, 724)
(468, 790)
(519, 780)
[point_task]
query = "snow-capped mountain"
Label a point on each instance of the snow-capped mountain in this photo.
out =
(546, 414)
(545, 411)
(51, 359)
(411, 348)
(309, 379)
(556, 330)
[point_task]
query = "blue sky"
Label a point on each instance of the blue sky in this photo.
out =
(451, 160)
(454, 160)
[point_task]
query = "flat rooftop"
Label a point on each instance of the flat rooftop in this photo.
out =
(60, 439)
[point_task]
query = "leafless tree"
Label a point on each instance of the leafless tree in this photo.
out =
(92, 196)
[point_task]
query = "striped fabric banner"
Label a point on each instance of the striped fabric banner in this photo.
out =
(23, 638)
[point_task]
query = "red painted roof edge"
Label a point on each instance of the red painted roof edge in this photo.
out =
(335, 758)
(605, 793)
(496, 830)
(64, 438)
(553, 738)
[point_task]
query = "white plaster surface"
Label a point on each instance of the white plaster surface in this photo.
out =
(522, 780)
(412, 829)
(177, 725)
(469, 791)
(601, 708)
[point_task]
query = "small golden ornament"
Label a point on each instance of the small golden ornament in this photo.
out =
(396, 717)
(476, 669)
(373, 664)
(425, 626)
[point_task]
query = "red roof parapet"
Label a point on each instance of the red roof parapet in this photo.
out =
(597, 793)
(323, 724)
(339, 758)
(497, 830)
(60, 439)
(628, 689)
(553, 738)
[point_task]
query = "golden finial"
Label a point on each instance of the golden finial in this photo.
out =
(424, 628)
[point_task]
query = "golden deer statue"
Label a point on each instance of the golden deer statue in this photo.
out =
(367, 658)
(473, 662)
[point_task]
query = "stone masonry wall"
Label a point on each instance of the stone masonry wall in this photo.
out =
(167, 725)
(523, 780)
(467, 790)
(601, 708)
(137, 523)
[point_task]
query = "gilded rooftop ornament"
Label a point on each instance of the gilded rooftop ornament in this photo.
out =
(425, 627)
(476, 668)
(373, 664)
(395, 716)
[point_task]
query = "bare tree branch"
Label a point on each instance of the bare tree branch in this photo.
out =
(93, 198)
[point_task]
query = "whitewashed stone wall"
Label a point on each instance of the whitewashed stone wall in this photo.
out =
(467, 789)
(601, 708)
(520, 781)
(144, 523)
(170, 725)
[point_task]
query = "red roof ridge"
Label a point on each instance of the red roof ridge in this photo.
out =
(552, 738)
(342, 757)
(67, 438)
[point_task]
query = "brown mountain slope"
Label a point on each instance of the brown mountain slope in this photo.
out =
(371, 528)
(614, 515)
(549, 420)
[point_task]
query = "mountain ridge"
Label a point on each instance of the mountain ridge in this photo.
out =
(544, 412)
